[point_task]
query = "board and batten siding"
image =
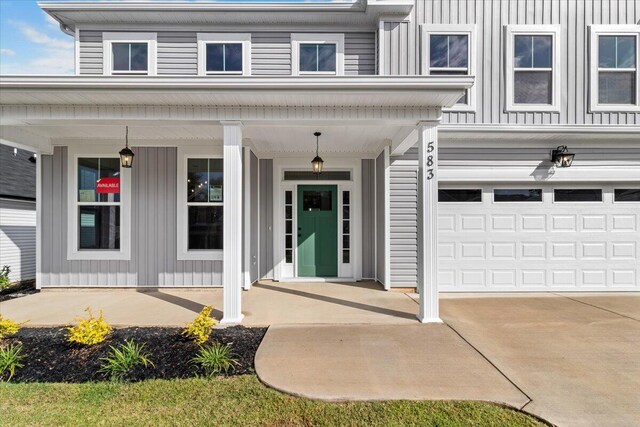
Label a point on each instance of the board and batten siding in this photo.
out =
(18, 238)
(153, 226)
(368, 219)
(253, 217)
(402, 52)
(265, 195)
(270, 53)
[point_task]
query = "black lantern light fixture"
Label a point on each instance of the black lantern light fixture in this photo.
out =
(562, 157)
(317, 161)
(126, 155)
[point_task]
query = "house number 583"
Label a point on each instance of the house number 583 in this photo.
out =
(430, 149)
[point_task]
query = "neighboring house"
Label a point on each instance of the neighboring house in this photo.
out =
(438, 119)
(18, 212)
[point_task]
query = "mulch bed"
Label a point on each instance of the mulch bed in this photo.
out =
(50, 358)
(17, 290)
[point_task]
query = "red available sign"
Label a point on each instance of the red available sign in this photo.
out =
(108, 185)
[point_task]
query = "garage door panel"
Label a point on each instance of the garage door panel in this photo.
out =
(502, 246)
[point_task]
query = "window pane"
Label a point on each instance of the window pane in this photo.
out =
(459, 195)
(99, 227)
(205, 227)
(542, 51)
(93, 170)
(464, 99)
(288, 197)
(139, 57)
(578, 195)
(616, 87)
(523, 56)
(626, 52)
(327, 57)
(215, 180)
(109, 168)
(308, 57)
(346, 212)
(532, 87)
(345, 227)
(120, 56)
(288, 256)
(607, 51)
(517, 195)
(345, 197)
(458, 51)
(88, 174)
(197, 180)
(317, 201)
(346, 259)
(438, 50)
(233, 57)
(215, 61)
(288, 227)
(627, 195)
(345, 242)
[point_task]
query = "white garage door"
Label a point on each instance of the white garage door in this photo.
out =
(539, 237)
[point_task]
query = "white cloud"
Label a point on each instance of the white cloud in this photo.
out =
(52, 23)
(7, 52)
(41, 38)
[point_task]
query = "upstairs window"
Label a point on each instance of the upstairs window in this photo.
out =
(317, 58)
(224, 53)
(617, 69)
(614, 65)
(130, 58)
(533, 69)
(129, 53)
(224, 58)
(317, 54)
(448, 51)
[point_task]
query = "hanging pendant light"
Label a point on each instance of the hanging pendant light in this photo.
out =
(126, 155)
(317, 161)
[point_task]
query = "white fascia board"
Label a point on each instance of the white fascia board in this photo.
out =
(540, 129)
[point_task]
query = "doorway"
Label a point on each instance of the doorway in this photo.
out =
(317, 231)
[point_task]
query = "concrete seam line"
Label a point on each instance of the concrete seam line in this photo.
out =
(494, 365)
(598, 307)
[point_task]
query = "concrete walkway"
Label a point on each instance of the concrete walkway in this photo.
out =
(383, 362)
(267, 303)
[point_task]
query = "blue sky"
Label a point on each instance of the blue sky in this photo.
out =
(31, 42)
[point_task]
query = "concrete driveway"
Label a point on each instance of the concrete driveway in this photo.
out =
(577, 357)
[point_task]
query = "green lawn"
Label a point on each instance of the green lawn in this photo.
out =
(237, 401)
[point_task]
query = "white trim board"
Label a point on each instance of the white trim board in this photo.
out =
(129, 37)
(318, 38)
(220, 38)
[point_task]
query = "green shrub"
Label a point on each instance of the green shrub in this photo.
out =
(8, 327)
(215, 359)
(200, 329)
(4, 277)
(10, 360)
(89, 331)
(123, 359)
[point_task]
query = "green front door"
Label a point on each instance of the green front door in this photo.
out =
(317, 231)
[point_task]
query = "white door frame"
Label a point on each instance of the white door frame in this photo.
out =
(289, 272)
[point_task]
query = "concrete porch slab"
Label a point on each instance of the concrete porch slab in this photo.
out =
(381, 362)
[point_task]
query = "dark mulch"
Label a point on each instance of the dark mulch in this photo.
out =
(17, 290)
(50, 358)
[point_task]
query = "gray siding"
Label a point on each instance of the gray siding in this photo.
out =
(359, 53)
(380, 218)
(368, 219)
(266, 218)
(91, 52)
(177, 53)
(270, 53)
(253, 219)
(402, 52)
(403, 195)
(153, 226)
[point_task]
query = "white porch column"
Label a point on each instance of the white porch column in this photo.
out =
(428, 222)
(232, 273)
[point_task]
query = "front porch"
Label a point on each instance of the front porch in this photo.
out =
(268, 303)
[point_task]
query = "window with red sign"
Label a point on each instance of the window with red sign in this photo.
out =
(98, 203)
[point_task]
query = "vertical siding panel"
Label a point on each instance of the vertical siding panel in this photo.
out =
(380, 218)
(266, 218)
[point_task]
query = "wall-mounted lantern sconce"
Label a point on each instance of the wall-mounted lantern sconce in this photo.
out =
(562, 157)
(126, 155)
(317, 162)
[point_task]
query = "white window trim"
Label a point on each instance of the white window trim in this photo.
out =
(220, 38)
(317, 38)
(534, 30)
(470, 31)
(73, 252)
(109, 38)
(594, 61)
(182, 226)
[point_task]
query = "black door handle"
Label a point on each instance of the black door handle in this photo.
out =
(299, 235)
(299, 228)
